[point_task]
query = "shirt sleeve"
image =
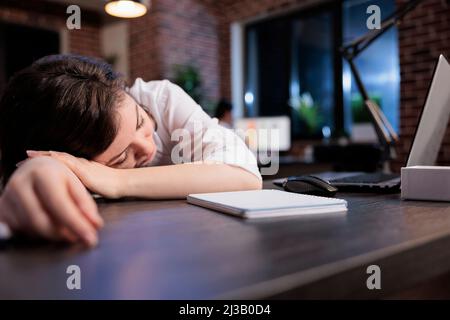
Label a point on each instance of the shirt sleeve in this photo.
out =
(198, 137)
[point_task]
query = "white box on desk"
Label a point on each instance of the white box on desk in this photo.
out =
(425, 183)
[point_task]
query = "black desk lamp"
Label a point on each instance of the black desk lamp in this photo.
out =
(384, 130)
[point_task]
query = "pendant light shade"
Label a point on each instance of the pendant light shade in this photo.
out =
(127, 8)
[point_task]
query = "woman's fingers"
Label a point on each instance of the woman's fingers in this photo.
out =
(8, 214)
(33, 153)
(67, 234)
(78, 192)
(45, 198)
(96, 177)
(38, 222)
(84, 201)
(64, 211)
(76, 188)
(67, 159)
(29, 216)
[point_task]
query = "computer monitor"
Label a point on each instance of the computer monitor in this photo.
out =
(262, 126)
(434, 118)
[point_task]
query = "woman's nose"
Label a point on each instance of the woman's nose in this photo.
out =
(143, 149)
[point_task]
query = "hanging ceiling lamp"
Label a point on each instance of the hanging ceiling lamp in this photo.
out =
(127, 8)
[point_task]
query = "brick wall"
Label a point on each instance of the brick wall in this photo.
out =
(47, 15)
(176, 32)
(423, 35)
(145, 58)
(85, 41)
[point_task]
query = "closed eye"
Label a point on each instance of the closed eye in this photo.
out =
(141, 123)
(121, 161)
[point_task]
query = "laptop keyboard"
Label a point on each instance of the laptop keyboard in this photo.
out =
(375, 177)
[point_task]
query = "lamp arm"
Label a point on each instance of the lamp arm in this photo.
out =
(385, 132)
(358, 45)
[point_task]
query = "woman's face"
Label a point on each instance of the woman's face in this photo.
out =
(133, 145)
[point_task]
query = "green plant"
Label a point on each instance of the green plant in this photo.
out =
(308, 112)
(360, 114)
(188, 78)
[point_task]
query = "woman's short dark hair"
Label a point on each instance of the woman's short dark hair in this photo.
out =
(61, 102)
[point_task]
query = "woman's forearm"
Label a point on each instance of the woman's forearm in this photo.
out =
(177, 181)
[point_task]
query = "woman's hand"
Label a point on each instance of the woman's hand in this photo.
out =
(98, 178)
(45, 199)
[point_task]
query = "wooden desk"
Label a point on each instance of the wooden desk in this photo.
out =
(173, 250)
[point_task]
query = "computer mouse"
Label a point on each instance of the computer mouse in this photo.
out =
(309, 185)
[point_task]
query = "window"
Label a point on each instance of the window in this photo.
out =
(20, 46)
(293, 66)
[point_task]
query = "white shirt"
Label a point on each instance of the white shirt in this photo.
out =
(203, 140)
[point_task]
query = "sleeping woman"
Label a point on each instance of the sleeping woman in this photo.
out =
(69, 125)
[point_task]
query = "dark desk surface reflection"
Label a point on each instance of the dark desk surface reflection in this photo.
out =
(173, 250)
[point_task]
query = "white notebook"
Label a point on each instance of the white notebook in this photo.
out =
(267, 203)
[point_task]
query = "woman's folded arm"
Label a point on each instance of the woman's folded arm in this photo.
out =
(178, 181)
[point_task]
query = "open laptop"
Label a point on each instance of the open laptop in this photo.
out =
(425, 147)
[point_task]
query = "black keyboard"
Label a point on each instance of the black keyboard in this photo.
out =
(375, 177)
